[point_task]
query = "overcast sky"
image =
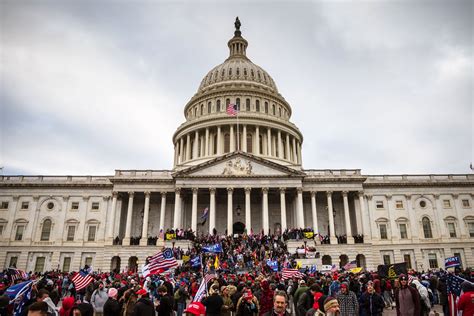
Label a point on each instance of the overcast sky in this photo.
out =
(88, 87)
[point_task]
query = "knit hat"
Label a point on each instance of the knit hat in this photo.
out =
(403, 277)
(112, 292)
(330, 302)
(344, 285)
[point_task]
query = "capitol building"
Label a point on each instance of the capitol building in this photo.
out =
(244, 165)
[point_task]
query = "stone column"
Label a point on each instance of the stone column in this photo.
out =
(347, 218)
(365, 217)
(177, 209)
(181, 149)
(219, 140)
(110, 227)
(232, 139)
(194, 210)
(229, 211)
(283, 209)
(391, 215)
(244, 138)
(188, 147)
(206, 142)
(299, 210)
(212, 210)
(8, 230)
(439, 210)
(413, 220)
(457, 206)
(257, 141)
(162, 211)
(295, 158)
(248, 216)
(196, 145)
(332, 231)
(314, 212)
(300, 158)
(176, 153)
(146, 212)
(265, 210)
(128, 225)
(269, 142)
(280, 145)
(287, 147)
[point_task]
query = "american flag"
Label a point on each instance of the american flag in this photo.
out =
(232, 109)
(350, 265)
(160, 262)
(16, 274)
(454, 291)
(82, 278)
(291, 273)
(203, 287)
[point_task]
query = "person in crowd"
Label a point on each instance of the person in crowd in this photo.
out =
(38, 309)
(302, 288)
(128, 301)
(213, 302)
(280, 303)
(228, 304)
(143, 307)
(247, 304)
(466, 301)
(407, 299)
(425, 303)
(112, 306)
(347, 300)
(165, 304)
(328, 306)
(306, 300)
(67, 305)
(371, 303)
(181, 295)
(98, 298)
(195, 309)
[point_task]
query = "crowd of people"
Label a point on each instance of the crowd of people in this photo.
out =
(239, 281)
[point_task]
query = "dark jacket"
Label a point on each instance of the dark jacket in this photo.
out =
(213, 304)
(305, 302)
(144, 307)
(272, 313)
(111, 307)
(166, 306)
(372, 304)
(415, 297)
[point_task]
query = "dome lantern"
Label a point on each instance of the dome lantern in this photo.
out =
(237, 44)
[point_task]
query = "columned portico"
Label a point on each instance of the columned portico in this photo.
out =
(314, 212)
(347, 219)
(144, 239)
(194, 210)
(162, 211)
(248, 217)
(212, 209)
(110, 228)
(283, 209)
(177, 209)
(265, 210)
(230, 221)
(332, 232)
(299, 210)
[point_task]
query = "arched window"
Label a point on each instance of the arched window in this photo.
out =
(238, 71)
(209, 108)
(247, 105)
(227, 143)
(218, 106)
(230, 71)
(214, 151)
(273, 109)
(283, 146)
(202, 109)
(279, 110)
(251, 73)
(427, 227)
(237, 102)
(249, 143)
(245, 72)
(260, 144)
(46, 230)
(227, 102)
(266, 107)
(195, 112)
(257, 105)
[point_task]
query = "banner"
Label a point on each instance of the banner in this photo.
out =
(196, 262)
(185, 258)
(452, 262)
(391, 271)
(326, 267)
(273, 265)
(170, 236)
(212, 248)
(308, 235)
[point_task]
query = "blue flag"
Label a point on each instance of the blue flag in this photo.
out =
(212, 248)
(196, 262)
(273, 264)
(205, 215)
(20, 294)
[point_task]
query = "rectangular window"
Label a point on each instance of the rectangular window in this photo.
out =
(66, 264)
(13, 262)
(1, 230)
(452, 230)
(88, 261)
(471, 229)
(4, 205)
(25, 205)
(386, 259)
(19, 232)
(91, 234)
(399, 204)
(39, 265)
(95, 206)
(407, 259)
(403, 231)
(465, 203)
(433, 261)
(383, 231)
(74, 206)
(71, 232)
(379, 204)
(446, 203)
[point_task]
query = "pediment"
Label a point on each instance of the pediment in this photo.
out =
(238, 165)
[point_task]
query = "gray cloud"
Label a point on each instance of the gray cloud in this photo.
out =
(383, 86)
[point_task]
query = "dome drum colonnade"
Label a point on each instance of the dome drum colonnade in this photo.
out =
(262, 127)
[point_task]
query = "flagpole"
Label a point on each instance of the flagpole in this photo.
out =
(238, 137)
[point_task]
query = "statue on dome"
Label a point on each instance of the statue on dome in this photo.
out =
(237, 24)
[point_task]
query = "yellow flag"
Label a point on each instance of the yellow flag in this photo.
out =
(298, 264)
(216, 263)
(355, 270)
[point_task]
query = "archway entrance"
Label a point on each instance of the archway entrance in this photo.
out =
(238, 228)
(327, 260)
(360, 259)
(133, 264)
(343, 260)
(115, 264)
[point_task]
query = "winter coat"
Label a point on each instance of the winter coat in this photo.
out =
(111, 307)
(144, 307)
(98, 299)
(372, 304)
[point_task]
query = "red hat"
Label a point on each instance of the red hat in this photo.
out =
(196, 308)
(142, 292)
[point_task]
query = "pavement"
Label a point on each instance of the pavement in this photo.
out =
(437, 310)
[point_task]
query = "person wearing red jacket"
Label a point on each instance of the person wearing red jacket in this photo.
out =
(466, 301)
